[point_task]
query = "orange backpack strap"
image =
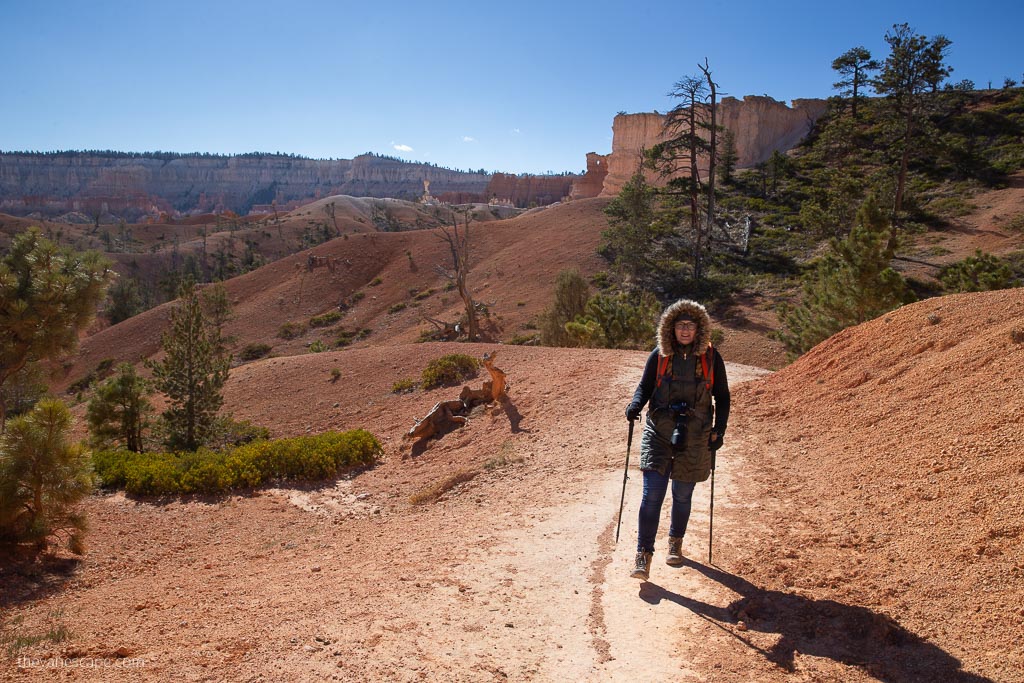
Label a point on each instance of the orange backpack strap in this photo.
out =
(707, 363)
(664, 369)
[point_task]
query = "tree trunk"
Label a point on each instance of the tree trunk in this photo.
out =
(711, 163)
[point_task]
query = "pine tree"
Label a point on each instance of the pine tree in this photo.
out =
(851, 284)
(42, 476)
(118, 411)
(727, 158)
(854, 66)
(48, 294)
(633, 229)
(191, 375)
(914, 65)
(571, 295)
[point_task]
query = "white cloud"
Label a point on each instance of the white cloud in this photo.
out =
(516, 131)
(402, 148)
(466, 138)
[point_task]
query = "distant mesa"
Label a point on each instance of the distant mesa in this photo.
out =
(111, 186)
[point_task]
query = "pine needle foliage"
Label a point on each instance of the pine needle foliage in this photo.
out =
(192, 374)
(42, 476)
(979, 273)
(117, 414)
(571, 295)
(851, 284)
(47, 295)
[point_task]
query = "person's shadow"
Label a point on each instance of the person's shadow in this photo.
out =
(849, 634)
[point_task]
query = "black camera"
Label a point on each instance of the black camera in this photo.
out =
(679, 433)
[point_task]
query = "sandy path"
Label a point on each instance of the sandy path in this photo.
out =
(515, 576)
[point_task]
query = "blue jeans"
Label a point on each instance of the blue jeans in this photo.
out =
(655, 487)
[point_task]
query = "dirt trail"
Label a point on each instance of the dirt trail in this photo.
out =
(512, 576)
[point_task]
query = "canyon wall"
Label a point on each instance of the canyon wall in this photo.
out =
(761, 125)
(90, 183)
(529, 190)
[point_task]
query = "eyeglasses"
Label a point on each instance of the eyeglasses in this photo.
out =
(689, 327)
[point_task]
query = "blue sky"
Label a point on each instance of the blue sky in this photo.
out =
(517, 86)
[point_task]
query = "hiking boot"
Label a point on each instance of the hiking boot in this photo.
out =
(675, 551)
(642, 570)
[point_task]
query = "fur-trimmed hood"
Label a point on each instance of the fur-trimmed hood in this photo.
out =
(666, 333)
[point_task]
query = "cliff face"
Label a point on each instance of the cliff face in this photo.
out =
(592, 182)
(527, 190)
(57, 183)
(760, 125)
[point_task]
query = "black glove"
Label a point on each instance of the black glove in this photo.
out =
(633, 411)
(715, 441)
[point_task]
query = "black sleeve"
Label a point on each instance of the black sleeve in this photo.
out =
(645, 389)
(720, 391)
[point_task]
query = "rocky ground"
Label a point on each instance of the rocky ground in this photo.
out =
(867, 527)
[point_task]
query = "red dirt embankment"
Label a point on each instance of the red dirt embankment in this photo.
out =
(893, 459)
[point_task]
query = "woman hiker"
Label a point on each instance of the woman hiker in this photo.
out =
(687, 393)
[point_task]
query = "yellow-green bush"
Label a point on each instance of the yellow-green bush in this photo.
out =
(247, 466)
(450, 369)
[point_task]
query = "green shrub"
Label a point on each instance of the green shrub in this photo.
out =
(979, 273)
(1016, 224)
(326, 319)
(303, 458)
(403, 386)
(291, 330)
(395, 308)
(524, 340)
(375, 281)
(347, 337)
(335, 374)
(317, 346)
(253, 352)
(449, 370)
(420, 296)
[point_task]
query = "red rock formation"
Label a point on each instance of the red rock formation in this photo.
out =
(761, 125)
(592, 182)
(529, 190)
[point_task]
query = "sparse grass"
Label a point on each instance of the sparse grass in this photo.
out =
(376, 281)
(253, 352)
(395, 308)
(291, 330)
(13, 639)
(335, 374)
(326, 319)
(433, 491)
(1015, 224)
(404, 386)
(525, 340)
(347, 337)
(506, 456)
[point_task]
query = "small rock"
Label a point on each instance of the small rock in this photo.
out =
(741, 626)
(509, 625)
(315, 568)
(123, 652)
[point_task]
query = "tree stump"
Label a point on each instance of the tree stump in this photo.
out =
(448, 415)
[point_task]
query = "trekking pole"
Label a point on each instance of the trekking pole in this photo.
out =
(625, 476)
(711, 522)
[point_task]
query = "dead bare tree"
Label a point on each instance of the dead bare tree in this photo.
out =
(712, 147)
(677, 157)
(458, 244)
(330, 210)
